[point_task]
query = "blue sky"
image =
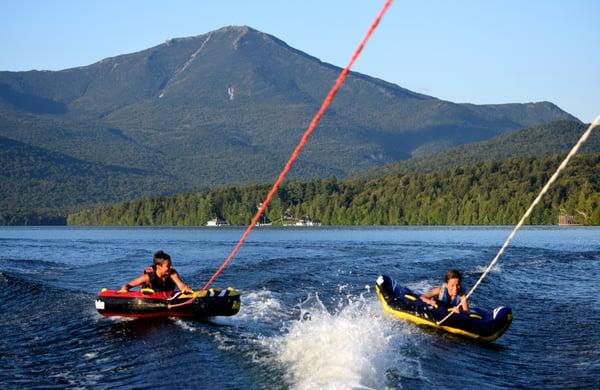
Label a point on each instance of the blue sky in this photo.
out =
(475, 51)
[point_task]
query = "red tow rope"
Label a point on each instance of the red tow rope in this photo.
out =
(305, 137)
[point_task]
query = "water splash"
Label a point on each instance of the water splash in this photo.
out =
(262, 306)
(348, 343)
(349, 348)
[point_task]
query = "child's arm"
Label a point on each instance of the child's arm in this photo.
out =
(135, 282)
(180, 284)
(428, 296)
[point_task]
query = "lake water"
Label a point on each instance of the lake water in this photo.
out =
(309, 316)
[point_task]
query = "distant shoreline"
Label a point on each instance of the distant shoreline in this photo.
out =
(322, 227)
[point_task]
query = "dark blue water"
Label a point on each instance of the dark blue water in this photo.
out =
(309, 316)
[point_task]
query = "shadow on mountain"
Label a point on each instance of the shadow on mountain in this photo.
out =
(31, 103)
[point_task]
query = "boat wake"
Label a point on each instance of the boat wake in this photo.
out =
(348, 344)
(351, 346)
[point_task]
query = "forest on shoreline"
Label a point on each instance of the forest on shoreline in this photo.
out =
(488, 193)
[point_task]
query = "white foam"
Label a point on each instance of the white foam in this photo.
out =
(495, 269)
(352, 345)
(261, 306)
(90, 355)
(185, 325)
(346, 349)
(421, 287)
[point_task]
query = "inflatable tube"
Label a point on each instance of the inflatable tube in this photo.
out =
(478, 324)
(147, 303)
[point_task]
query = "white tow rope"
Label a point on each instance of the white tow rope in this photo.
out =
(573, 151)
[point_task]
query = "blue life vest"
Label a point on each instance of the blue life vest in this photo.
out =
(444, 297)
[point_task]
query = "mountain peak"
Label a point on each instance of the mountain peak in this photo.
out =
(235, 28)
(226, 106)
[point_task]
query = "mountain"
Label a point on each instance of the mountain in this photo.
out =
(33, 176)
(226, 107)
(549, 139)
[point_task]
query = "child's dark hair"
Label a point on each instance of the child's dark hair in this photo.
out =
(160, 257)
(452, 274)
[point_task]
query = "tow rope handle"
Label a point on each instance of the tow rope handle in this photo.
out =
(195, 294)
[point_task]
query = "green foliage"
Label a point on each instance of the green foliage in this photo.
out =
(32, 217)
(35, 178)
(544, 140)
(164, 117)
(162, 121)
(481, 194)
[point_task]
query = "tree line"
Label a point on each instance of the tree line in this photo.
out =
(32, 217)
(488, 193)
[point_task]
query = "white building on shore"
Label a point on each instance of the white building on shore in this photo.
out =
(216, 222)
